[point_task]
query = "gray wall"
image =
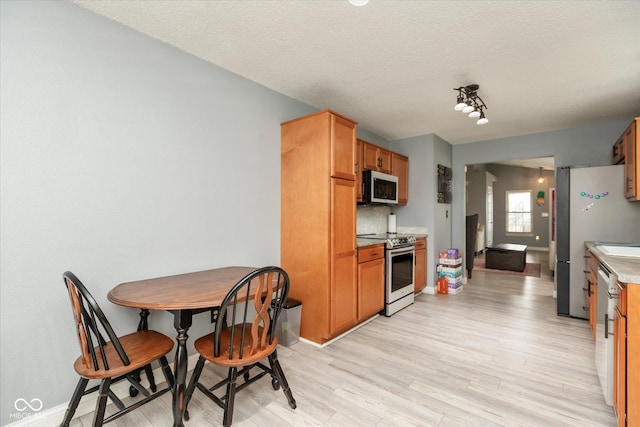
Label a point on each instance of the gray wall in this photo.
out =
(425, 153)
(122, 158)
(588, 145)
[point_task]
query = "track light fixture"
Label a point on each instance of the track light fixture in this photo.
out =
(470, 103)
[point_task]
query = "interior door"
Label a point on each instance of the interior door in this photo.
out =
(489, 226)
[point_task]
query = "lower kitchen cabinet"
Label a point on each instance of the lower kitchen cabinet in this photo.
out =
(626, 360)
(420, 278)
(370, 281)
(343, 295)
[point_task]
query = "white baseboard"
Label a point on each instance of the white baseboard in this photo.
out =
(315, 344)
(430, 290)
(53, 416)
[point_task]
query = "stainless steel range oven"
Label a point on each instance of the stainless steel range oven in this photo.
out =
(399, 270)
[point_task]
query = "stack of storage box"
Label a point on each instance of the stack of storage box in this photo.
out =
(451, 268)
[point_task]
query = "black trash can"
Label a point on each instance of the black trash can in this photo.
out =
(288, 325)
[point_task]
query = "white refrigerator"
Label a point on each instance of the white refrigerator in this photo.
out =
(590, 207)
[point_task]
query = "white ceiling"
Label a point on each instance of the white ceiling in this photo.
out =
(392, 65)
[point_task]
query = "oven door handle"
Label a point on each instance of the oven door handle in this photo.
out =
(402, 250)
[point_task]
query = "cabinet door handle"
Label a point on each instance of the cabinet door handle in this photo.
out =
(629, 185)
(607, 334)
(356, 168)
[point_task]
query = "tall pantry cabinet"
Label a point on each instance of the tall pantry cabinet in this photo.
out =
(318, 221)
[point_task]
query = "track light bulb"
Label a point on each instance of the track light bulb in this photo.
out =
(482, 120)
(474, 114)
(468, 109)
(460, 104)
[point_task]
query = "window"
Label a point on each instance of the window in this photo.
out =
(519, 214)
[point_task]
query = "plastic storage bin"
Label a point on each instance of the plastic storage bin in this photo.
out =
(288, 325)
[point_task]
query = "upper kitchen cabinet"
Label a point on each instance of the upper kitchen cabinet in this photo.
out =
(359, 168)
(376, 158)
(318, 221)
(627, 150)
(343, 148)
(373, 157)
(632, 161)
(400, 168)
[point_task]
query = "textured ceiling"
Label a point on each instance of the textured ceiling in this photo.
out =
(392, 65)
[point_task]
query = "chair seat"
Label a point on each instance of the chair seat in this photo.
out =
(142, 348)
(204, 346)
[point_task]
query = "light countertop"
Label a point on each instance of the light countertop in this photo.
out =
(626, 268)
(368, 242)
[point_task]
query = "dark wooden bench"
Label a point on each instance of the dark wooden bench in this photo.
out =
(506, 256)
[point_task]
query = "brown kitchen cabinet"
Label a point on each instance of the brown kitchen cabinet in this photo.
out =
(400, 168)
(627, 150)
(420, 278)
(343, 266)
(376, 158)
(318, 221)
(370, 281)
(359, 168)
(626, 356)
(343, 148)
(617, 156)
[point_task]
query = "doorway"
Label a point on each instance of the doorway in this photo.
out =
(487, 186)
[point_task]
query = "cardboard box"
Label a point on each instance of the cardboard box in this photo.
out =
(456, 290)
(450, 275)
(450, 261)
(454, 271)
(454, 282)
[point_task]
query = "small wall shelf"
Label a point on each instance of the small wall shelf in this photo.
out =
(444, 184)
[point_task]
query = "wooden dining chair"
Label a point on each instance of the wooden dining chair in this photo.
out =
(109, 358)
(242, 337)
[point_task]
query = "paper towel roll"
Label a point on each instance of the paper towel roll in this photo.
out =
(392, 223)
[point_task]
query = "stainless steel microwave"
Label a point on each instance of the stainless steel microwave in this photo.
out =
(378, 187)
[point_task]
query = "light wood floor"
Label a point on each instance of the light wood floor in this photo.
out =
(495, 354)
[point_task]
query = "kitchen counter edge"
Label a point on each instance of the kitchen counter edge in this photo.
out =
(360, 242)
(626, 268)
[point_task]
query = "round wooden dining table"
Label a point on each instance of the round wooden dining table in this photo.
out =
(183, 295)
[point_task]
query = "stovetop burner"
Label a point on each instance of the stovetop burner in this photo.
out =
(393, 240)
